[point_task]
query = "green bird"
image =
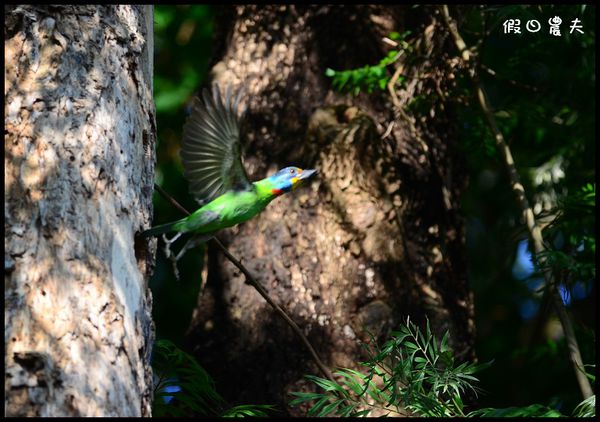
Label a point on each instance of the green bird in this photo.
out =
(212, 162)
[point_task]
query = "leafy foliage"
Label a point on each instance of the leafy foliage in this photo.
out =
(252, 410)
(184, 388)
(412, 373)
(575, 223)
(586, 409)
(188, 27)
(183, 43)
(535, 410)
(370, 77)
(546, 114)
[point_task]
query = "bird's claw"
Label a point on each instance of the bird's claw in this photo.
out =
(169, 254)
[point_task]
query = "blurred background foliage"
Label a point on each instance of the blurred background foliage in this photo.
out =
(542, 89)
(183, 48)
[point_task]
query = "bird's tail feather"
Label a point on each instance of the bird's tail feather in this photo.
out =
(154, 231)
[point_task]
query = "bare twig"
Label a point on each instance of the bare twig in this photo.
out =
(171, 200)
(251, 280)
(400, 109)
(261, 290)
(388, 130)
(389, 42)
(510, 81)
(535, 231)
(392, 83)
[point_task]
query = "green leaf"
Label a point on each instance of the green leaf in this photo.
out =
(362, 413)
(587, 408)
(327, 385)
(410, 345)
(536, 410)
(410, 379)
(253, 410)
(318, 405)
(419, 359)
(329, 408)
(351, 383)
(394, 35)
(304, 397)
(377, 71)
(177, 368)
(346, 410)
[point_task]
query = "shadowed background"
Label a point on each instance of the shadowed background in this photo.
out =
(541, 87)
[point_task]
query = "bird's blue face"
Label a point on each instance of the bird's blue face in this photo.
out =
(289, 178)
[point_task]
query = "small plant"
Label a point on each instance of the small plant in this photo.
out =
(370, 77)
(412, 374)
(575, 222)
(184, 388)
(586, 409)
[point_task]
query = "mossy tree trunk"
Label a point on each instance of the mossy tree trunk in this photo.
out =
(79, 159)
(377, 237)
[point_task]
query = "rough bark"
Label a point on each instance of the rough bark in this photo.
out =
(376, 238)
(79, 157)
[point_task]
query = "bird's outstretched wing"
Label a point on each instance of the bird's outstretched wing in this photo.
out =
(210, 149)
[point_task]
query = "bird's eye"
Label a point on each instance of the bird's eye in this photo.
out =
(292, 171)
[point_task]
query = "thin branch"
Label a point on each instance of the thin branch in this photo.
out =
(389, 42)
(261, 290)
(400, 110)
(518, 84)
(171, 200)
(535, 231)
(277, 308)
(388, 130)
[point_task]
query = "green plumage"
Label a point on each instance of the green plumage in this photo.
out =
(212, 163)
(156, 230)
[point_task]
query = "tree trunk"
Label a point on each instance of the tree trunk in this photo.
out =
(376, 238)
(79, 158)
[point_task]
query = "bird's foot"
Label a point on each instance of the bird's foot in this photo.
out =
(192, 243)
(168, 242)
(169, 254)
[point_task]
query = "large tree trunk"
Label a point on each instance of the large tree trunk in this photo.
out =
(79, 158)
(376, 238)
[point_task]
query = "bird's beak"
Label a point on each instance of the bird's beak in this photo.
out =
(302, 177)
(307, 174)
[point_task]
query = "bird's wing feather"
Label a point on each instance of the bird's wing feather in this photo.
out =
(210, 150)
(198, 221)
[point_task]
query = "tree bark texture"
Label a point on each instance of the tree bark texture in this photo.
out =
(79, 159)
(376, 238)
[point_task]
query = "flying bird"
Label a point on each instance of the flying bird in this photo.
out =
(211, 157)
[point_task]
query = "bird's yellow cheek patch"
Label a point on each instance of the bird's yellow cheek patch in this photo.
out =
(294, 183)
